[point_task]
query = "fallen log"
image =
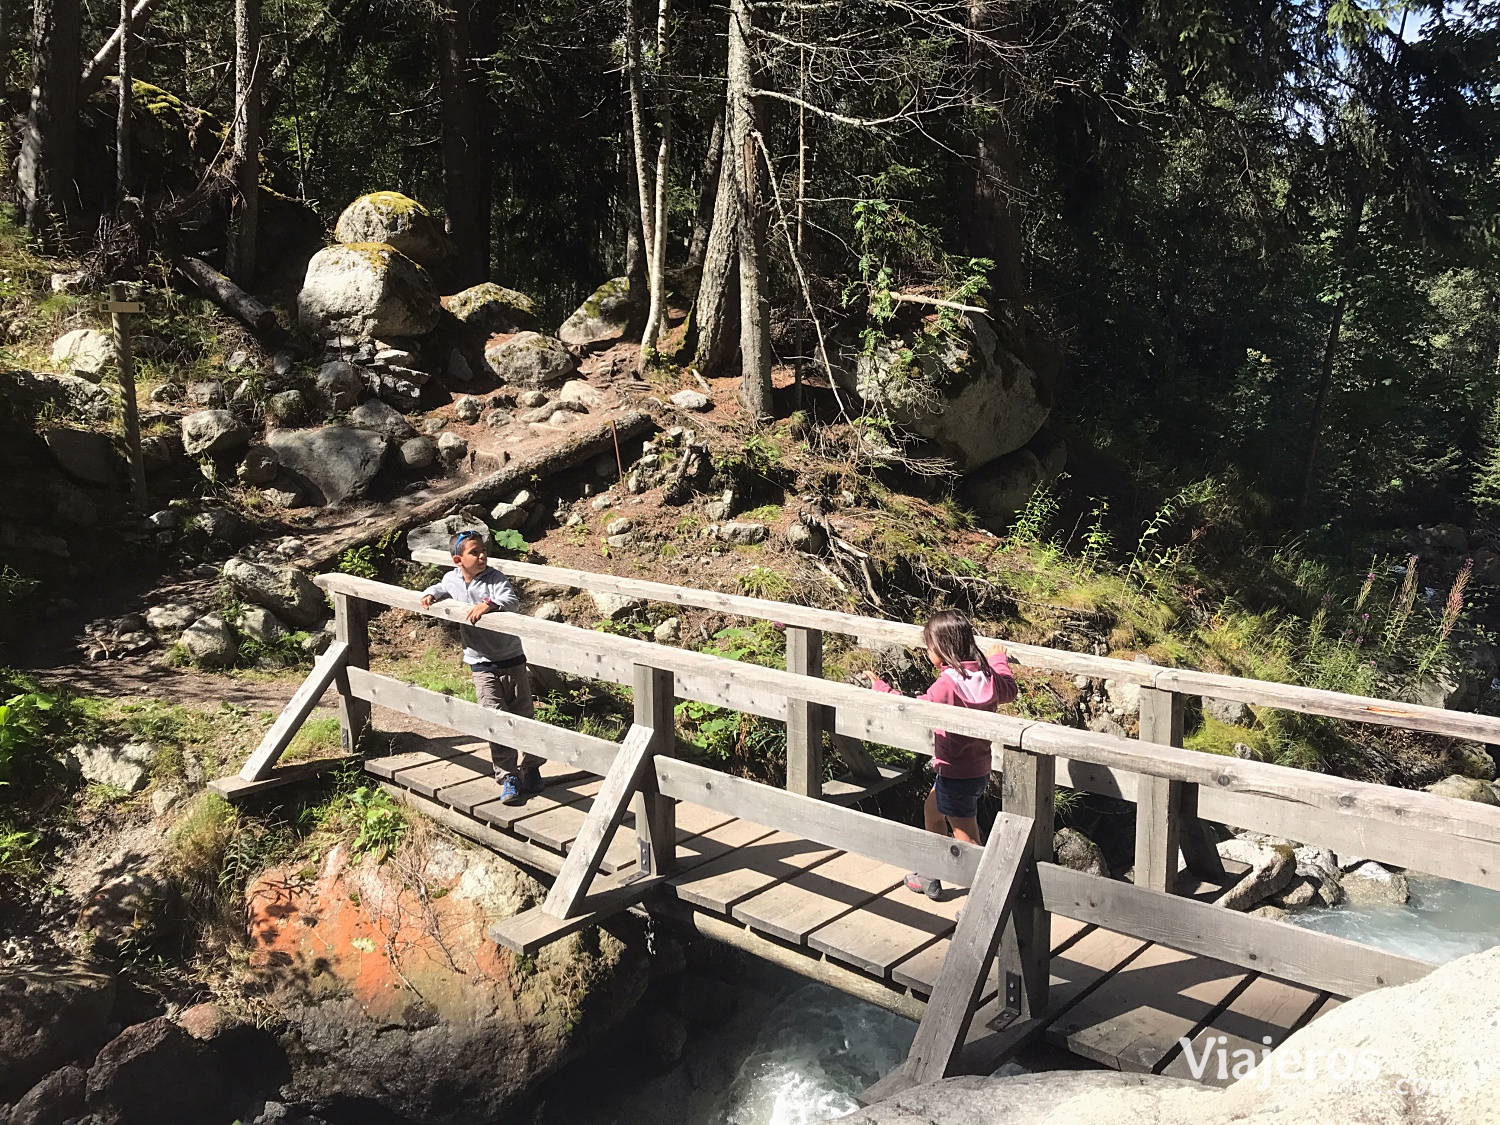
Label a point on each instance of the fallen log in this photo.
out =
(599, 440)
(232, 299)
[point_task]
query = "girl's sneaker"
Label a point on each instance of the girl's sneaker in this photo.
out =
(932, 888)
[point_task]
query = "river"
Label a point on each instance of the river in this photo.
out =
(797, 1052)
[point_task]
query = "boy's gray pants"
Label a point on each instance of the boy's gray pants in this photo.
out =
(507, 690)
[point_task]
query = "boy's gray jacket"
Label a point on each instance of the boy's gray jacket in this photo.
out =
(489, 585)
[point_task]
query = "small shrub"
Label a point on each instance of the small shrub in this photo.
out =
(370, 815)
(360, 562)
(22, 730)
(762, 582)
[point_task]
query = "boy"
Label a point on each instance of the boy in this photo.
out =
(496, 660)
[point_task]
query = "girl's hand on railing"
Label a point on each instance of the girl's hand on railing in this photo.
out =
(867, 676)
(427, 600)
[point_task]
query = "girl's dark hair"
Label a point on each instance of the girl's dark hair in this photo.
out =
(951, 635)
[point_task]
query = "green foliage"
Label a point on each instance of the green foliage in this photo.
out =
(22, 727)
(1035, 520)
(360, 562)
(510, 540)
(763, 582)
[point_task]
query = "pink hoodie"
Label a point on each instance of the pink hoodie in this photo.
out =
(959, 755)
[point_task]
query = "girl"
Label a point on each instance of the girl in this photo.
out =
(966, 679)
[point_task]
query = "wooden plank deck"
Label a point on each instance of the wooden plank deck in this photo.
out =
(1120, 1001)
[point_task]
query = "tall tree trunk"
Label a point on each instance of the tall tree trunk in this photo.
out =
(240, 260)
(468, 184)
(656, 318)
(1347, 241)
(108, 55)
(638, 120)
(4, 50)
(716, 311)
(708, 193)
(635, 253)
(49, 150)
(755, 344)
(994, 226)
(122, 122)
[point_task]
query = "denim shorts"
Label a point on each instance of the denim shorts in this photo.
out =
(959, 796)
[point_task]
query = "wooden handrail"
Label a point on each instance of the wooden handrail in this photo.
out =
(1266, 693)
(1421, 827)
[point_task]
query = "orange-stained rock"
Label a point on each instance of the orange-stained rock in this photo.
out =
(392, 991)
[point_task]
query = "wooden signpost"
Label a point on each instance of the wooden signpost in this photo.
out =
(120, 312)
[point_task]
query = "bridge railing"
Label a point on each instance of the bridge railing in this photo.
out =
(1169, 808)
(1457, 839)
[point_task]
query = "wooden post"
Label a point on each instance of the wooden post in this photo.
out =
(351, 626)
(120, 310)
(804, 720)
(1158, 801)
(1028, 789)
(656, 815)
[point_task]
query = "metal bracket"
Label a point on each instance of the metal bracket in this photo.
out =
(1013, 992)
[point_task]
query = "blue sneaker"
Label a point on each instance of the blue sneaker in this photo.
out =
(510, 790)
(531, 782)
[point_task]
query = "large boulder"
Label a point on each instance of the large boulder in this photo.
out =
(971, 394)
(340, 383)
(1076, 851)
(330, 465)
(611, 314)
(1420, 1052)
(438, 535)
(1465, 789)
(210, 641)
(127, 767)
(49, 1015)
(284, 590)
(85, 456)
(213, 431)
(490, 309)
(1000, 490)
(398, 221)
(529, 359)
(85, 352)
(389, 990)
(155, 1071)
(366, 290)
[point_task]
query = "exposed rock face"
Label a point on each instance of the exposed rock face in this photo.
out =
(438, 535)
(418, 452)
(453, 1030)
(398, 221)
(329, 465)
(71, 395)
(692, 400)
(49, 1014)
(972, 396)
(284, 590)
(366, 290)
(85, 352)
(259, 466)
(213, 431)
(529, 359)
(1231, 712)
(490, 309)
(1370, 884)
(85, 456)
(611, 313)
(55, 1099)
(1423, 1052)
(745, 534)
(613, 606)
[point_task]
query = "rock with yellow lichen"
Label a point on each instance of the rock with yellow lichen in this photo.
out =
(396, 220)
(367, 290)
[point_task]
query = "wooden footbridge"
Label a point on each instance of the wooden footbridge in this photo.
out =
(1117, 972)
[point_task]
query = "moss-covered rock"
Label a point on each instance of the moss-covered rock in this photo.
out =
(396, 220)
(491, 309)
(612, 312)
(367, 290)
(529, 359)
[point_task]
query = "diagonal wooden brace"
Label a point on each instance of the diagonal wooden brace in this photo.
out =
(945, 1023)
(620, 785)
(294, 714)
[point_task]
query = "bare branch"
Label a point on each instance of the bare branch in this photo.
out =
(857, 122)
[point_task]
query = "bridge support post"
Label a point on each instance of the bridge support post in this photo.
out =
(804, 720)
(351, 625)
(1028, 789)
(655, 814)
(1166, 812)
